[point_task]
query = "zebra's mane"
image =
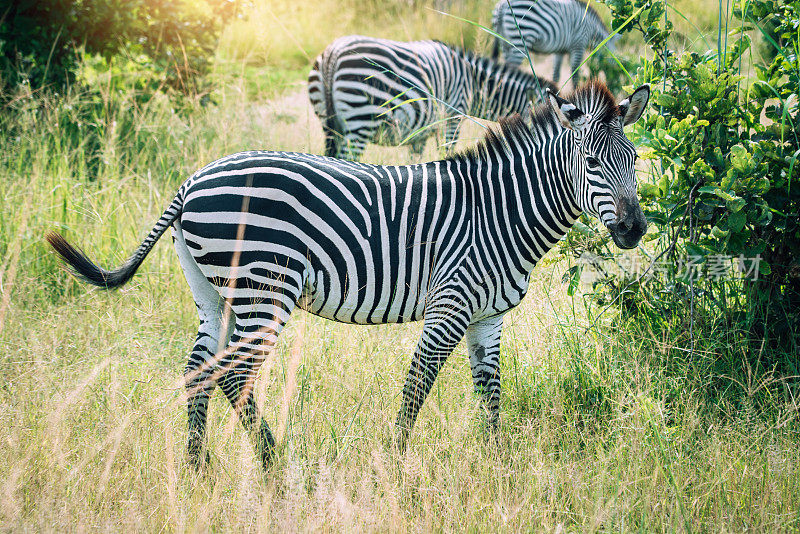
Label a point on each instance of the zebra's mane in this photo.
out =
(592, 97)
(498, 139)
(499, 68)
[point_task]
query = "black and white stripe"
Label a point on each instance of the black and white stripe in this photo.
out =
(367, 90)
(450, 242)
(547, 26)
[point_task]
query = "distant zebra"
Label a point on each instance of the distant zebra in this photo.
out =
(450, 242)
(547, 26)
(367, 90)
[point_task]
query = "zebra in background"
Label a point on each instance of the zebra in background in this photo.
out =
(450, 242)
(547, 26)
(367, 90)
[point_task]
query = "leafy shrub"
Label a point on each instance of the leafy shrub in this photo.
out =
(42, 43)
(724, 246)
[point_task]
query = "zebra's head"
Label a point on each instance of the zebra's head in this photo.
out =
(602, 158)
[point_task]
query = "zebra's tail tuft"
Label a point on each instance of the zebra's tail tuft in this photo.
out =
(87, 269)
(90, 272)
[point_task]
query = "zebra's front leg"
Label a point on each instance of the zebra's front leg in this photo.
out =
(576, 56)
(557, 59)
(444, 327)
(483, 345)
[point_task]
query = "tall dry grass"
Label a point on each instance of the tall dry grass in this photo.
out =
(92, 406)
(597, 432)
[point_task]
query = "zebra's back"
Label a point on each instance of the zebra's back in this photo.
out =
(360, 243)
(383, 91)
(546, 26)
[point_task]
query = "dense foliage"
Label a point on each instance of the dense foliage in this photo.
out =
(724, 191)
(42, 42)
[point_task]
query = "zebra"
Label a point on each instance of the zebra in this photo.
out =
(367, 90)
(547, 26)
(450, 242)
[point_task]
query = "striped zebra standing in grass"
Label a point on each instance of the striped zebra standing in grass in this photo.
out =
(547, 26)
(450, 242)
(367, 90)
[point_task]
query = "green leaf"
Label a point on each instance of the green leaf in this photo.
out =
(719, 232)
(693, 249)
(736, 204)
(736, 221)
(574, 275)
(648, 190)
(583, 229)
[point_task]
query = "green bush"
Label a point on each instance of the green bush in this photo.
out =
(42, 43)
(724, 247)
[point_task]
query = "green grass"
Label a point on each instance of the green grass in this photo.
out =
(609, 429)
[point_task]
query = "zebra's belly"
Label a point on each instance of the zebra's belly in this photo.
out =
(384, 125)
(402, 309)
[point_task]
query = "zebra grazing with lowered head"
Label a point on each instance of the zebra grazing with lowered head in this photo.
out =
(451, 243)
(549, 27)
(367, 90)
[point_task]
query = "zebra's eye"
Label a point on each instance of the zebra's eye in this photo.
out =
(592, 162)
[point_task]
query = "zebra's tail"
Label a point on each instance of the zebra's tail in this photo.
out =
(90, 272)
(496, 49)
(497, 19)
(325, 70)
(333, 135)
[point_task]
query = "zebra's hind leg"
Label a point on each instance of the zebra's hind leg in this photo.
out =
(483, 345)
(446, 321)
(333, 137)
(260, 320)
(199, 380)
(354, 142)
(212, 336)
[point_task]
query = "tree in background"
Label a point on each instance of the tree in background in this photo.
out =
(43, 41)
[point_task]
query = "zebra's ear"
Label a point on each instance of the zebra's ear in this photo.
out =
(566, 112)
(632, 108)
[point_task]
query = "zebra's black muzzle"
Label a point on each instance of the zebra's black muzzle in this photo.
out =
(630, 224)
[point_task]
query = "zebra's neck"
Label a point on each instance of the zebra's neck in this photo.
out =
(496, 89)
(594, 25)
(525, 198)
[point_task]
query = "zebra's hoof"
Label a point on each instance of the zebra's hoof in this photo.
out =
(200, 460)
